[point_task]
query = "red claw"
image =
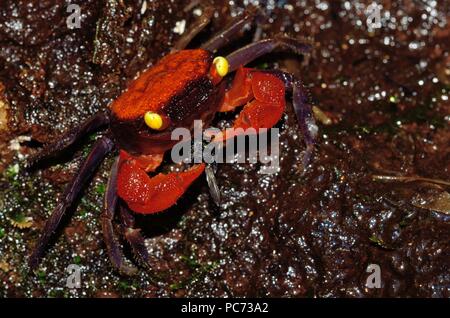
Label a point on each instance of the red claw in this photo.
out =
(147, 195)
(146, 162)
(240, 91)
(257, 114)
(268, 88)
(264, 96)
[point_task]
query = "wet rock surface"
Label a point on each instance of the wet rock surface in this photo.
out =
(296, 233)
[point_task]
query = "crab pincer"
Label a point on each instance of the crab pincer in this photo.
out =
(263, 95)
(146, 195)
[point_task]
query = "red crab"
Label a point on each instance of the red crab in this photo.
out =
(185, 85)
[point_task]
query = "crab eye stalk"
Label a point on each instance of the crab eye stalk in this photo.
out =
(154, 120)
(221, 65)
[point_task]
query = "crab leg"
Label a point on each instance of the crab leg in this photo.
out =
(195, 29)
(69, 138)
(101, 148)
(305, 119)
(302, 110)
(212, 184)
(109, 209)
(134, 237)
(224, 37)
(147, 195)
(252, 51)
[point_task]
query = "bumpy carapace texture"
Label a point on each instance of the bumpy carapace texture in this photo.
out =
(162, 82)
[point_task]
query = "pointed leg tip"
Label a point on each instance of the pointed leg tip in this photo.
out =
(128, 270)
(213, 185)
(32, 162)
(137, 244)
(217, 201)
(33, 262)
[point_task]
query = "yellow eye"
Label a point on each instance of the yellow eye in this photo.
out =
(221, 64)
(153, 120)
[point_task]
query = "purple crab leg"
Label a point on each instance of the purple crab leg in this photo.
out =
(134, 237)
(302, 110)
(224, 37)
(101, 148)
(195, 29)
(109, 209)
(69, 138)
(305, 118)
(252, 51)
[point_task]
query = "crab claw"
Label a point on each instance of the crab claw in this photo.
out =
(240, 91)
(146, 195)
(265, 97)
